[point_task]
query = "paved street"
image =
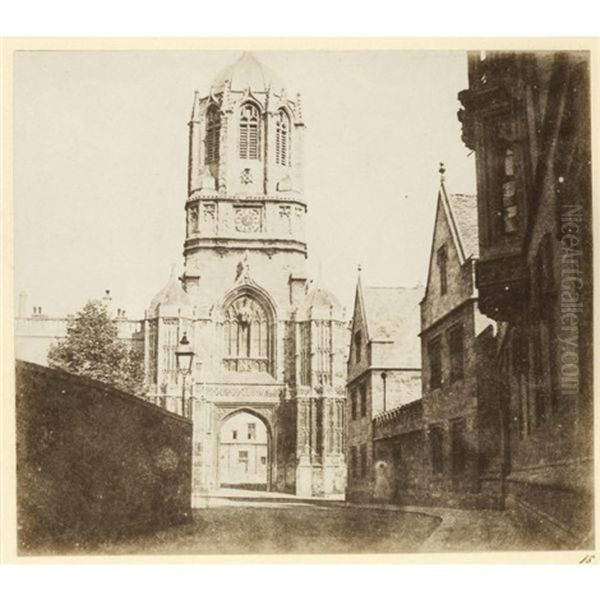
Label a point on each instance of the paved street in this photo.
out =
(242, 522)
(285, 527)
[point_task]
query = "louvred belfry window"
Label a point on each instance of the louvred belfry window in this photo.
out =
(211, 139)
(282, 137)
(249, 122)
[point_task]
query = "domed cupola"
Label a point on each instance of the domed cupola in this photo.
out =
(247, 73)
(172, 300)
(320, 303)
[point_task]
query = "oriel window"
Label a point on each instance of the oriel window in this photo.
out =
(249, 122)
(509, 196)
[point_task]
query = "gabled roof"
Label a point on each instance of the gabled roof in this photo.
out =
(463, 213)
(392, 315)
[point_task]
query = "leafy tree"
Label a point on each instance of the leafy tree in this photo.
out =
(92, 348)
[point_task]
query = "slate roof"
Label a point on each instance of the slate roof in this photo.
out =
(393, 314)
(464, 213)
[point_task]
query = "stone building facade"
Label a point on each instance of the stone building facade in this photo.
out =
(383, 373)
(527, 117)
(36, 331)
(457, 345)
(267, 340)
(437, 449)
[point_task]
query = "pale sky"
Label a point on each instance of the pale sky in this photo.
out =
(101, 165)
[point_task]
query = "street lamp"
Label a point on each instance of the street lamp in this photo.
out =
(384, 379)
(184, 355)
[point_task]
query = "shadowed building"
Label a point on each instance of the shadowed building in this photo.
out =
(527, 117)
(383, 372)
(457, 347)
(268, 342)
(437, 450)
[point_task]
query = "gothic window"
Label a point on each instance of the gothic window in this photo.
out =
(442, 261)
(435, 363)
(211, 138)
(456, 343)
(249, 122)
(282, 139)
(248, 330)
(509, 198)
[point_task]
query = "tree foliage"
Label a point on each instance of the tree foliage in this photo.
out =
(92, 348)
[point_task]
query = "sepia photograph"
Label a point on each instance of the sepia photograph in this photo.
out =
(302, 301)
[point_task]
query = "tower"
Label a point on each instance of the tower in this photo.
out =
(268, 343)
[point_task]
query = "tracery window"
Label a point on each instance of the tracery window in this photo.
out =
(249, 122)
(282, 139)
(211, 138)
(248, 331)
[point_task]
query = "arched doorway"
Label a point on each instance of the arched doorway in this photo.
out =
(244, 451)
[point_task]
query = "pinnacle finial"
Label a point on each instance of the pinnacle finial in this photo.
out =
(442, 172)
(359, 269)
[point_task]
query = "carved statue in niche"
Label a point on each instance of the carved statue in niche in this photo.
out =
(192, 219)
(285, 215)
(243, 269)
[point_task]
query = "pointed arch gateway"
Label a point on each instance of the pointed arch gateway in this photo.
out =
(245, 456)
(248, 331)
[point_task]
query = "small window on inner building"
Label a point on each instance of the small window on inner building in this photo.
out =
(357, 346)
(435, 363)
(234, 434)
(251, 431)
(436, 441)
(363, 400)
(456, 343)
(442, 262)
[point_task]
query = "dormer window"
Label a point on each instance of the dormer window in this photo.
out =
(282, 135)
(211, 138)
(249, 121)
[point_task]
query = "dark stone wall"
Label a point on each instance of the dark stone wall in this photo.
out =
(94, 463)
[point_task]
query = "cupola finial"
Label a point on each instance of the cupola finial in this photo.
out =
(442, 172)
